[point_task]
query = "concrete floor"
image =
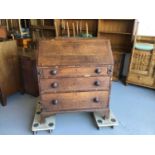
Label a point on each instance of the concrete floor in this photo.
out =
(133, 106)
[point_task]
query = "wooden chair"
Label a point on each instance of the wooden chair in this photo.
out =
(142, 64)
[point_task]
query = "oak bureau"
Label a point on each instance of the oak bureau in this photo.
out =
(74, 74)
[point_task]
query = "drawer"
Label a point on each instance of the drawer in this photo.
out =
(74, 71)
(140, 79)
(75, 101)
(74, 84)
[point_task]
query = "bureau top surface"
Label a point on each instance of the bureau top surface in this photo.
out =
(74, 52)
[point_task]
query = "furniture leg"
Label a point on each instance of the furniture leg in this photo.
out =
(3, 99)
(105, 113)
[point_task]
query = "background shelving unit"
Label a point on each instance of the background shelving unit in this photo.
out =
(78, 23)
(42, 28)
(121, 33)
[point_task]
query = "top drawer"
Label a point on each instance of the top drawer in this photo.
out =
(74, 71)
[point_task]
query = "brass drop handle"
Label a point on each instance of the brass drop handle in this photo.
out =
(97, 83)
(54, 72)
(55, 102)
(96, 100)
(54, 85)
(98, 70)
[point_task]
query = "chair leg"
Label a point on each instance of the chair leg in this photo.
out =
(3, 98)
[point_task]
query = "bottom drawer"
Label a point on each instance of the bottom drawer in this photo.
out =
(73, 101)
(140, 80)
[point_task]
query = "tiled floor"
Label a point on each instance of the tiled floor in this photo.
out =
(133, 106)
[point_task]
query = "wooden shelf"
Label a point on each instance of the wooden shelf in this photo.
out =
(119, 33)
(121, 49)
(42, 27)
(71, 29)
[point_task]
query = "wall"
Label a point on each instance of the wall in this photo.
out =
(146, 26)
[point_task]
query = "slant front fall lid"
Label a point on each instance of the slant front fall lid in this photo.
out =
(74, 52)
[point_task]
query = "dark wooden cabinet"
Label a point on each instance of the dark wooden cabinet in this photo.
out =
(10, 81)
(118, 62)
(28, 71)
(74, 75)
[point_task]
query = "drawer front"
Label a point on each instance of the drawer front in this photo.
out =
(73, 101)
(140, 79)
(74, 72)
(74, 84)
